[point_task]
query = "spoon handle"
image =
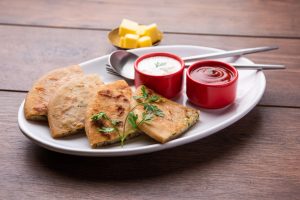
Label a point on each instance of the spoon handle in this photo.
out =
(257, 66)
(238, 52)
(254, 66)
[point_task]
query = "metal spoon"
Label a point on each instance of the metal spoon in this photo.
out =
(122, 61)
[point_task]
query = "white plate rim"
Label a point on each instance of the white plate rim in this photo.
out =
(149, 148)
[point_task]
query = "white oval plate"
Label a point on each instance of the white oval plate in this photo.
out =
(251, 86)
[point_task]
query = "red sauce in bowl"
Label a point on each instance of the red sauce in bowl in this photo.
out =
(213, 75)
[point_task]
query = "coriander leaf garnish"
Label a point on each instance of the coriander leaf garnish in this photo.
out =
(122, 139)
(159, 64)
(150, 108)
(138, 97)
(146, 118)
(115, 122)
(98, 116)
(150, 111)
(153, 98)
(159, 113)
(144, 92)
(104, 129)
(132, 120)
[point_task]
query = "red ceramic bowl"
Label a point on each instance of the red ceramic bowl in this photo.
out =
(211, 95)
(169, 85)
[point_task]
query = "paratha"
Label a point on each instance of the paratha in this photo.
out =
(114, 100)
(37, 99)
(67, 107)
(175, 121)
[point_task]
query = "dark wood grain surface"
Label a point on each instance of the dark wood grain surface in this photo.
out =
(229, 17)
(256, 158)
(249, 159)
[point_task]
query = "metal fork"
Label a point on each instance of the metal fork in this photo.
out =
(112, 71)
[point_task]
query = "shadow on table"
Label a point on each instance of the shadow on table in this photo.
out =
(199, 155)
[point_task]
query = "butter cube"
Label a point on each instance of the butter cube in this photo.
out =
(128, 26)
(131, 41)
(121, 42)
(144, 41)
(141, 30)
(153, 32)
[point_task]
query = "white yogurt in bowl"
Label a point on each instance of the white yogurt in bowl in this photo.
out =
(159, 65)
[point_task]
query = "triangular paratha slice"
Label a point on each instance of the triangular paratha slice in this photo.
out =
(37, 99)
(111, 101)
(174, 121)
(67, 107)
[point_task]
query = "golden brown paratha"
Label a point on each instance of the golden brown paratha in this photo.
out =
(176, 118)
(67, 107)
(37, 99)
(113, 100)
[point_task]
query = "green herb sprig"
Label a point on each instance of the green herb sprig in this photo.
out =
(150, 111)
(104, 129)
(159, 64)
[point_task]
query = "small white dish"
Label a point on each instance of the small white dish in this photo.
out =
(251, 86)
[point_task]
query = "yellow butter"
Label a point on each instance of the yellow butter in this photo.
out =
(131, 41)
(128, 26)
(144, 41)
(121, 42)
(141, 30)
(153, 32)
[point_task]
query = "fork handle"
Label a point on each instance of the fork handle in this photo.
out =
(225, 54)
(252, 66)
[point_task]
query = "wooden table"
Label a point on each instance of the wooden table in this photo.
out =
(256, 158)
